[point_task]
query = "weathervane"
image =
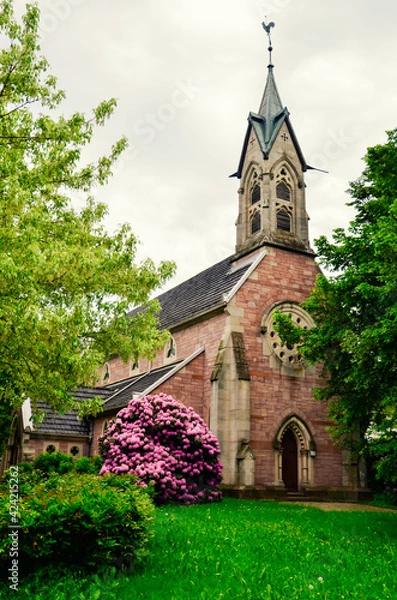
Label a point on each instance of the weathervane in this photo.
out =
(267, 28)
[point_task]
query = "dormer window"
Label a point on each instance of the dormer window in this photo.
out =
(106, 373)
(256, 222)
(255, 194)
(170, 350)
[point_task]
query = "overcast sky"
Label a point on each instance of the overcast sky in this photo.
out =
(186, 74)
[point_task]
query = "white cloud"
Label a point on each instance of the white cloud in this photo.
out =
(334, 70)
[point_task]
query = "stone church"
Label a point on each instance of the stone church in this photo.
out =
(224, 357)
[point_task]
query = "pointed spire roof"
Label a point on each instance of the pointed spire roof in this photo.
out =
(268, 121)
(271, 104)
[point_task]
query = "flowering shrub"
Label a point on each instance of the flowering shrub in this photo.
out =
(167, 446)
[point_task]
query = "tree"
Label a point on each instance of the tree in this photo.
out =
(166, 445)
(66, 284)
(355, 312)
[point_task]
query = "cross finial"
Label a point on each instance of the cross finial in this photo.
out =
(267, 28)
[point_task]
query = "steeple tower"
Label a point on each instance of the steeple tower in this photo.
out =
(272, 205)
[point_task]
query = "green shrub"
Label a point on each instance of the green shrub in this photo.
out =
(55, 462)
(88, 465)
(80, 518)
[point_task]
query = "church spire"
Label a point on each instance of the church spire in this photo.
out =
(271, 104)
(272, 206)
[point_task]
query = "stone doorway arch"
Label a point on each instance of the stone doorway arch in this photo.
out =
(294, 450)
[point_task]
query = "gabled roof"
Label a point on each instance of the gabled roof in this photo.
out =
(145, 383)
(68, 423)
(123, 391)
(266, 134)
(198, 295)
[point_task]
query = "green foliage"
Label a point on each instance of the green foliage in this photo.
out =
(6, 417)
(248, 550)
(288, 331)
(55, 462)
(88, 465)
(79, 519)
(382, 448)
(66, 284)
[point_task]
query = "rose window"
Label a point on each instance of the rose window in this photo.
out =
(289, 355)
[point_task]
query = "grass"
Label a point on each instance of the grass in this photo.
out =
(248, 550)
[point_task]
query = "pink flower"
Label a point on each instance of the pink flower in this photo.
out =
(153, 438)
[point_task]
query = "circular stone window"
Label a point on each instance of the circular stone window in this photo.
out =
(287, 354)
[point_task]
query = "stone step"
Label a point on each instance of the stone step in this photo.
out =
(299, 497)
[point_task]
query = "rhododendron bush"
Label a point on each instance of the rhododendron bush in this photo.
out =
(167, 445)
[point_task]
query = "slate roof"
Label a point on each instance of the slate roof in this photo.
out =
(123, 391)
(69, 423)
(199, 294)
(116, 395)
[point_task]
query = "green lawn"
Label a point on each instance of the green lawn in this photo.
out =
(249, 550)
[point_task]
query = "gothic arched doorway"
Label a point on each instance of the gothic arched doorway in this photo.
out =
(290, 461)
(294, 452)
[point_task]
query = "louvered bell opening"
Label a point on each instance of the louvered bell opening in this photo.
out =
(283, 220)
(255, 194)
(256, 223)
(283, 192)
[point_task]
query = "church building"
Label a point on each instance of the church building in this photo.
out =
(224, 357)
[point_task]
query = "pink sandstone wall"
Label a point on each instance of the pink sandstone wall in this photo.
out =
(282, 276)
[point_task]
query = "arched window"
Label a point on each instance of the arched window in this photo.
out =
(283, 192)
(256, 222)
(255, 194)
(283, 220)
